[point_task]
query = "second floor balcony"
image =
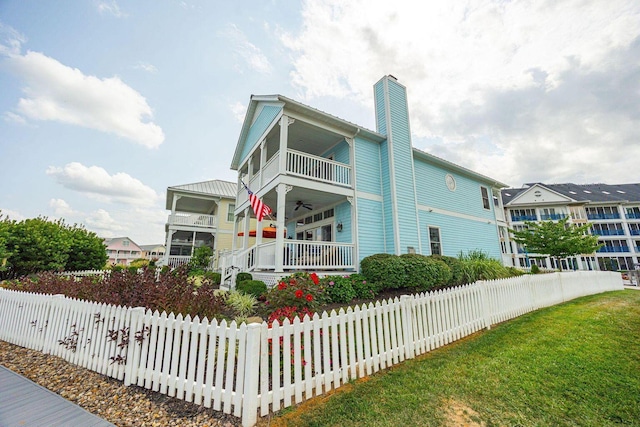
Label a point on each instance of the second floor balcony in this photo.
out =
(193, 220)
(596, 216)
(613, 248)
(516, 218)
(302, 165)
(553, 217)
(599, 232)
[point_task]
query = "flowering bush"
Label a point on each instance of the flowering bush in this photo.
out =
(288, 313)
(301, 290)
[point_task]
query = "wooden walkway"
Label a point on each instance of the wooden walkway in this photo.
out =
(25, 403)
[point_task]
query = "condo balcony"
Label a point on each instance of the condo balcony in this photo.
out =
(191, 219)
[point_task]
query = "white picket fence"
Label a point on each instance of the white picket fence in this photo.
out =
(248, 370)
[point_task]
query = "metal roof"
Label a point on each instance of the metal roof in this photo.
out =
(25, 403)
(592, 193)
(214, 187)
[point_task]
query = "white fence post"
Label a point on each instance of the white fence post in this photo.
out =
(486, 303)
(407, 325)
(251, 376)
(50, 331)
(133, 351)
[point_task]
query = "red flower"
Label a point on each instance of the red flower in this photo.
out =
(282, 286)
(315, 278)
(299, 293)
(309, 297)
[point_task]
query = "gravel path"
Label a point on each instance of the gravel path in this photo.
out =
(106, 397)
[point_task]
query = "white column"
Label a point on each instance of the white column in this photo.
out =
(285, 121)
(263, 161)
(282, 198)
(247, 220)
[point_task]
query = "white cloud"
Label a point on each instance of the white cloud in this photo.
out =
(489, 82)
(60, 93)
(61, 208)
(10, 40)
(238, 109)
(11, 214)
(111, 7)
(246, 50)
(150, 68)
(101, 222)
(11, 117)
(97, 183)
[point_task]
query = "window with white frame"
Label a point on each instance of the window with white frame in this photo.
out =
(485, 198)
(434, 241)
(230, 208)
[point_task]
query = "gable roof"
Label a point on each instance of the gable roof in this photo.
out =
(214, 187)
(593, 193)
(298, 107)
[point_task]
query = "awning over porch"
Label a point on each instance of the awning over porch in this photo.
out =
(267, 232)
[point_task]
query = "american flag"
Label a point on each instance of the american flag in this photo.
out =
(259, 208)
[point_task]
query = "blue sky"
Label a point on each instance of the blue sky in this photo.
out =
(107, 103)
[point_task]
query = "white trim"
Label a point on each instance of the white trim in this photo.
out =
(456, 214)
(369, 196)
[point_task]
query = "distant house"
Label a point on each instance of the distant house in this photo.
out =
(122, 250)
(340, 192)
(201, 214)
(613, 211)
(152, 252)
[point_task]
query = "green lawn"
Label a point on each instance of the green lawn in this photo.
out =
(577, 364)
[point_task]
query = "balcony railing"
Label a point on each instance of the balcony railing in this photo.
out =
(597, 232)
(176, 261)
(318, 168)
(616, 248)
(523, 218)
(634, 232)
(195, 220)
(593, 216)
(633, 215)
(554, 217)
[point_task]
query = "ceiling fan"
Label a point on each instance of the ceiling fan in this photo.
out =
(300, 203)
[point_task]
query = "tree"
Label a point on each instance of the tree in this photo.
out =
(37, 244)
(556, 239)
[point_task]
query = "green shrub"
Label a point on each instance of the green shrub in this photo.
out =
(117, 267)
(535, 269)
(241, 277)
(213, 277)
(252, 287)
(339, 288)
(139, 263)
(424, 273)
(385, 270)
(165, 269)
(479, 266)
(362, 287)
(513, 272)
(201, 258)
(456, 267)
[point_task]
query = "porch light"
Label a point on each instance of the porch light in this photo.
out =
(339, 227)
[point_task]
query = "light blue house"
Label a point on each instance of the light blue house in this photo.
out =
(340, 192)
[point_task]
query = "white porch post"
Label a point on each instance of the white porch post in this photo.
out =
(282, 198)
(263, 160)
(285, 121)
(245, 238)
(167, 248)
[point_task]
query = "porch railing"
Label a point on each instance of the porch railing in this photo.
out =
(195, 220)
(175, 261)
(318, 168)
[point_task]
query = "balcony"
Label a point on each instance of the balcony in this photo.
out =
(597, 232)
(302, 165)
(554, 217)
(616, 248)
(634, 232)
(592, 216)
(516, 218)
(193, 220)
(633, 215)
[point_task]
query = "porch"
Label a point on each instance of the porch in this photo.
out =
(316, 256)
(192, 219)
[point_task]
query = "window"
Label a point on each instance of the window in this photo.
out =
(485, 198)
(230, 208)
(125, 243)
(434, 241)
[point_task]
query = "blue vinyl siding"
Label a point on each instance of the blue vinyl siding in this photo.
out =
(460, 235)
(367, 155)
(388, 226)
(403, 159)
(381, 123)
(343, 214)
(371, 238)
(340, 151)
(432, 191)
(259, 126)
